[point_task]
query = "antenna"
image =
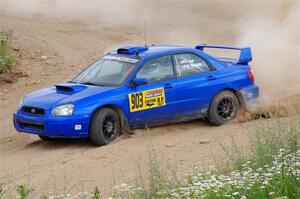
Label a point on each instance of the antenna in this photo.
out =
(145, 34)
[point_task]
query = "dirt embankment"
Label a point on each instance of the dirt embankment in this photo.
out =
(55, 44)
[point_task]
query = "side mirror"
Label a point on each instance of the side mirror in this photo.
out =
(139, 81)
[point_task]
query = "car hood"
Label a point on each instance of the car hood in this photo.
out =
(63, 93)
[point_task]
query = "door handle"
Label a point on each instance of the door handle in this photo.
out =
(168, 85)
(210, 78)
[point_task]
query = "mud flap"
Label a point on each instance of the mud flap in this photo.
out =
(125, 127)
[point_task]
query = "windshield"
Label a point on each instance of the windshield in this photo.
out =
(110, 70)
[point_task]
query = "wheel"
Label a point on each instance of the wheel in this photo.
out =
(46, 138)
(105, 126)
(224, 107)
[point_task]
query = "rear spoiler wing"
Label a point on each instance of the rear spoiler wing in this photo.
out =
(245, 55)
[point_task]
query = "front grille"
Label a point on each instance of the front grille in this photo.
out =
(31, 125)
(33, 111)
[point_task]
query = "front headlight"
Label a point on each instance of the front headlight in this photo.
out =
(63, 110)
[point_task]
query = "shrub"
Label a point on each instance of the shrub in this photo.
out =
(97, 193)
(1, 191)
(6, 59)
(23, 191)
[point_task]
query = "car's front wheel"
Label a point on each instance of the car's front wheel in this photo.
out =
(224, 107)
(105, 126)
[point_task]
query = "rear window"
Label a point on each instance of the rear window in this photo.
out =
(188, 64)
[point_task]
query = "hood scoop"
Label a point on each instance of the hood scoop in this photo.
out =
(70, 87)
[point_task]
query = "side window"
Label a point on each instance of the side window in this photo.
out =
(188, 64)
(157, 69)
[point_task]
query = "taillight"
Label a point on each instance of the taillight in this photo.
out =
(251, 75)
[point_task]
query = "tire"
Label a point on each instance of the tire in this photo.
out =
(224, 108)
(46, 138)
(105, 127)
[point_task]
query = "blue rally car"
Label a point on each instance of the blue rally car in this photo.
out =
(136, 86)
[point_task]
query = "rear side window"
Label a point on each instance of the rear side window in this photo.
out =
(157, 69)
(188, 64)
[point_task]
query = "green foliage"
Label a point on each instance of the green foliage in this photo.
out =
(1, 191)
(6, 59)
(97, 193)
(23, 191)
(160, 176)
(269, 138)
(157, 179)
(272, 170)
(265, 142)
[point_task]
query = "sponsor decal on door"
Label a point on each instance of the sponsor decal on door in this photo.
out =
(147, 99)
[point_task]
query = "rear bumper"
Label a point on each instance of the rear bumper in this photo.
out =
(60, 127)
(250, 95)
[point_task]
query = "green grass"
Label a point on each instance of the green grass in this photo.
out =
(279, 179)
(265, 142)
(23, 191)
(1, 192)
(97, 193)
(6, 58)
(269, 138)
(149, 182)
(271, 170)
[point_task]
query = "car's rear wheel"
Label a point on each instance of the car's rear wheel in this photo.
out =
(46, 138)
(105, 126)
(224, 107)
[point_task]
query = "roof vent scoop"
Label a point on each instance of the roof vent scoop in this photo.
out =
(131, 50)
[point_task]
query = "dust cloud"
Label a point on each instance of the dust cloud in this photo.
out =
(275, 40)
(270, 28)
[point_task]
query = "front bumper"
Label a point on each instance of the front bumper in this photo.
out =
(60, 127)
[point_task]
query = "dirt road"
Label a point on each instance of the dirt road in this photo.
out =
(53, 49)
